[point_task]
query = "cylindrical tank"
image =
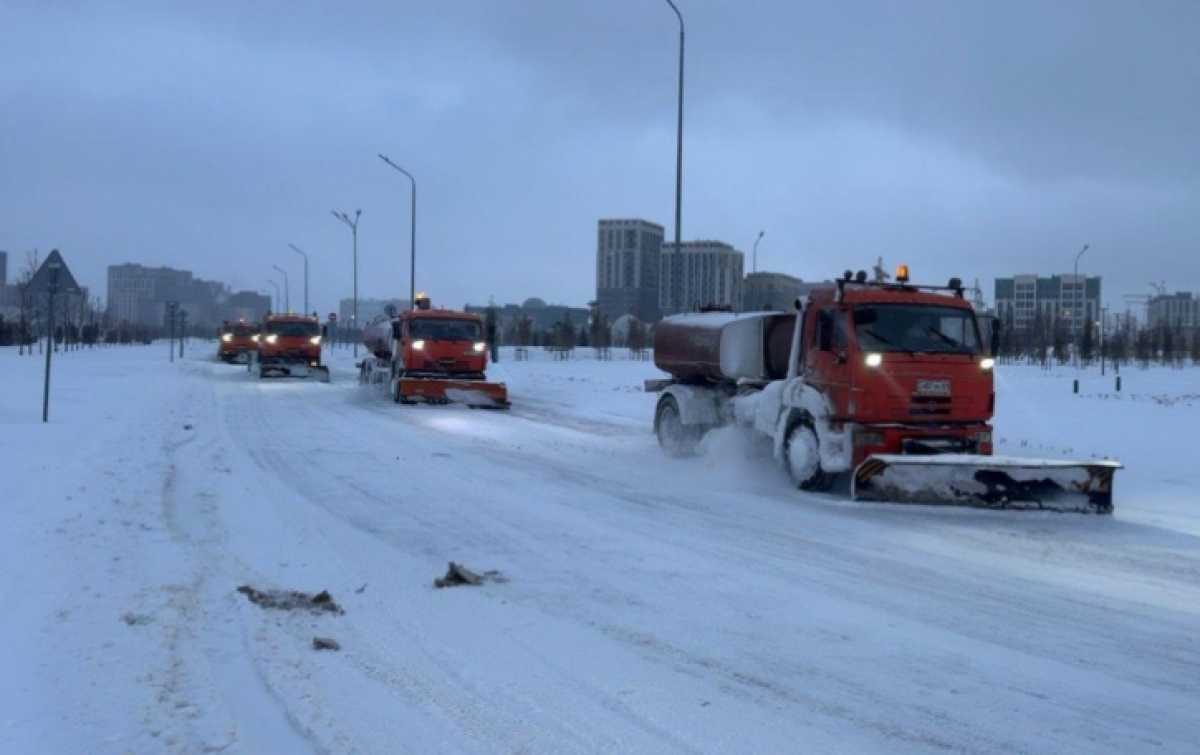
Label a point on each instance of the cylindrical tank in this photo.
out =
(377, 335)
(719, 346)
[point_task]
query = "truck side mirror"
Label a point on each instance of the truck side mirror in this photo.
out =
(995, 344)
(324, 331)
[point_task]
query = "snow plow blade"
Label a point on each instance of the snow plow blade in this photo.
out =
(473, 393)
(991, 482)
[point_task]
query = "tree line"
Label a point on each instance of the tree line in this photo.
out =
(1048, 342)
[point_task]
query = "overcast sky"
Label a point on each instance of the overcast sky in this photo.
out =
(965, 138)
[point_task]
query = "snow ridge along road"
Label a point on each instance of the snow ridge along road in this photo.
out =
(653, 605)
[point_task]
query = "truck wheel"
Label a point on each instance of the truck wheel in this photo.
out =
(802, 457)
(676, 438)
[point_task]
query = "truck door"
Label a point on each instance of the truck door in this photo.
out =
(826, 362)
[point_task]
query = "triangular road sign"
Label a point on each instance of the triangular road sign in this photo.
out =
(45, 275)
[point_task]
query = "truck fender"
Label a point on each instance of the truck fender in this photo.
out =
(697, 405)
(803, 403)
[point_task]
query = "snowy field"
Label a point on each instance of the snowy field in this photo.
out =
(651, 605)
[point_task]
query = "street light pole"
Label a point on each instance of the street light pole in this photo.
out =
(1075, 306)
(300, 252)
(679, 139)
(353, 224)
(412, 240)
(287, 296)
(275, 306)
(760, 235)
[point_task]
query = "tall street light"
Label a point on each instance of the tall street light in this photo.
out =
(275, 306)
(1075, 306)
(300, 252)
(287, 295)
(756, 240)
(353, 224)
(412, 241)
(679, 137)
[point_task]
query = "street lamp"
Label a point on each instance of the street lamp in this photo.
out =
(287, 296)
(412, 241)
(758, 239)
(679, 137)
(300, 252)
(1075, 304)
(353, 224)
(275, 305)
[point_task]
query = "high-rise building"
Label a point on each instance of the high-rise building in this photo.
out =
(3, 269)
(1177, 310)
(699, 274)
(1065, 299)
(138, 294)
(774, 291)
(627, 268)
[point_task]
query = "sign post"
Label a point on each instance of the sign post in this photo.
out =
(52, 278)
(171, 307)
(182, 330)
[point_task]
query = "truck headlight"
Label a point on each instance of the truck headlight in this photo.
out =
(987, 363)
(227, 337)
(479, 347)
(873, 360)
(418, 344)
(272, 338)
(255, 337)
(315, 340)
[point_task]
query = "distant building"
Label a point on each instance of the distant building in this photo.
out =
(1023, 299)
(369, 309)
(699, 274)
(250, 306)
(774, 291)
(627, 268)
(1178, 310)
(138, 294)
(3, 269)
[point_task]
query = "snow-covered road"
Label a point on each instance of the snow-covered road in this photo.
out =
(653, 605)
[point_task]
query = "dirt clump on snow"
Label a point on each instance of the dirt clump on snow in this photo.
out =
(457, 574)
(325, 643)
(292, 600)
(136, 619)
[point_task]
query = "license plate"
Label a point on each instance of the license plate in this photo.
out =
(933, 387)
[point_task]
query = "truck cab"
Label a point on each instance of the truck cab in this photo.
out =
(440, 343)
(906, 367)
(290, 345)
(236, 341)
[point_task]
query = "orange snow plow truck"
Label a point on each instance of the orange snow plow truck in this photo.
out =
(238, 340)
(290, 346)
(435, 356)
(888, 384)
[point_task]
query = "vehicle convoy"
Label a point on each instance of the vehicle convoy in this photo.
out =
(889, 382)
(237, 341)
(431, 355)
(289, 346)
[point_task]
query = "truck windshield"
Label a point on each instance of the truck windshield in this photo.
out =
(293, 329)
(916, 328)
(432, 329)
